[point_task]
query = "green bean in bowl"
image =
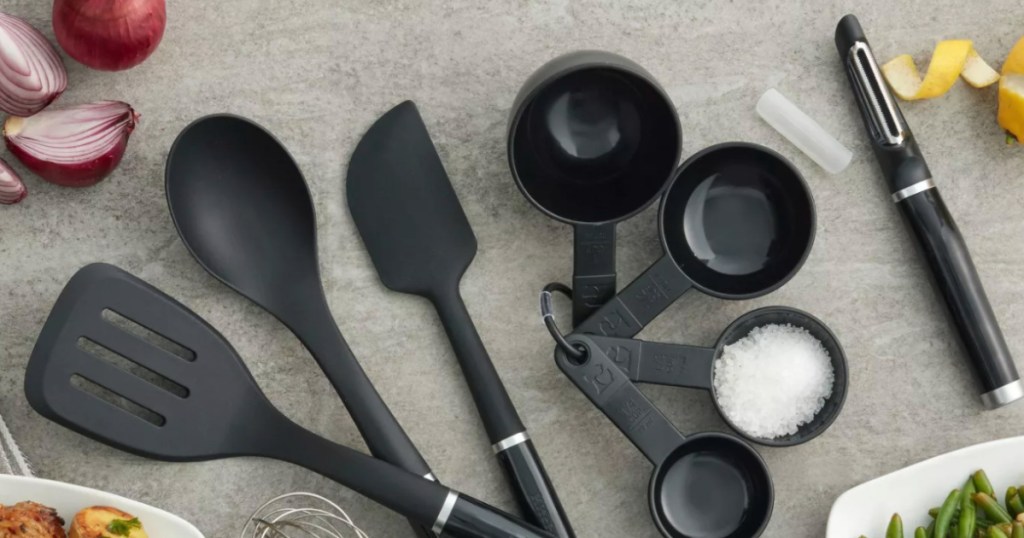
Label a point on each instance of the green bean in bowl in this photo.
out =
(972, 511)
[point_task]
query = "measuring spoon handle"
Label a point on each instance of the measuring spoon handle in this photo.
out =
(601, 380)
(640, 302)
(658, 363)
(593, 269)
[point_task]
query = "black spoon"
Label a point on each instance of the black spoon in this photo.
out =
(244, 211)
(420, 241)
(117, 380)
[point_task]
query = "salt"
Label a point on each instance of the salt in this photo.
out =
(773, 380)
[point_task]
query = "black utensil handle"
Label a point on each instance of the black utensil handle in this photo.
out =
(470, 518)
(658, 363)
(640, 302)
(423, 501)
(958, 281)
(380, 429)
(620, 400)
(492, 401)
(534, 491)
(504, 428)
(593, 269)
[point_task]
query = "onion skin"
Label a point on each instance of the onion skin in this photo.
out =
(70, 169)
(12, 190)
(109, 35)
(32, 74)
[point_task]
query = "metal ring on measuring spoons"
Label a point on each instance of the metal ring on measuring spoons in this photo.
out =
(547, 312)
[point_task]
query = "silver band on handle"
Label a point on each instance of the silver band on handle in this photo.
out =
(510, 442)
(1003, 395)
(916, 188)
(431, 477)
(446, 510)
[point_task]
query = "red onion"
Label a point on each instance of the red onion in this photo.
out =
(12, 190)
(109, 35)
(32, 75)
(76, 146)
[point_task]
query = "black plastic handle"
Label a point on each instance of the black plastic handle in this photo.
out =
(958, 281)
(658, 363)
(534, 490)
(535, 494)
(384, 436)
(471, 518)
(421, 500)
(620, 400)
(640, 302)
(593, 269)
(492, 401)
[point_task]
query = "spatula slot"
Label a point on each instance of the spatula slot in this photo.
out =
(124, 363)
(108, 396)
(158, 340)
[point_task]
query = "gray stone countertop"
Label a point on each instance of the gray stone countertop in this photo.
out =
(318, 72)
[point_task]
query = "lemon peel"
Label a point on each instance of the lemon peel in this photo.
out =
(1011, 104)
(951, 59)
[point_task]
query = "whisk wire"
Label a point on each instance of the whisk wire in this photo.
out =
(283, 517)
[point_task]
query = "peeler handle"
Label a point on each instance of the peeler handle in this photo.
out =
(962, 291)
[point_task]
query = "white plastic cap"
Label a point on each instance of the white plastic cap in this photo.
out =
(803, 132)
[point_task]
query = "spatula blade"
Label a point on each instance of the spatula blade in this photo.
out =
(191, 413)
(405, 208)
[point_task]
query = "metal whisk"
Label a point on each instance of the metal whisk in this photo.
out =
(300, 515)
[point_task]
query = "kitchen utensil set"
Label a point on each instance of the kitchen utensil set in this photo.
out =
(736, 221)
(97, 378)
(593, 140)
(244, 211)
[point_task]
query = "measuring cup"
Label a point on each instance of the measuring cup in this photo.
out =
(707, 485)
(694, 367)
(736, 222)
(592, 141)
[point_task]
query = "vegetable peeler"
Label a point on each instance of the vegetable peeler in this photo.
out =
(915, 192)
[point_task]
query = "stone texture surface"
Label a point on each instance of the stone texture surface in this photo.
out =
(317, 73)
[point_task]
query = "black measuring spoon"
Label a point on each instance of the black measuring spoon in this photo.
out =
(592, 140)
(158, 381)
(707, 485)
(694, 366)
(244, 211)
(736, 222)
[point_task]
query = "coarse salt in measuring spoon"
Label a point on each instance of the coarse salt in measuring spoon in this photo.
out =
(774, 380)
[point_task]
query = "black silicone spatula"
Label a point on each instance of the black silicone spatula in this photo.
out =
(104, 366)
(421, 242)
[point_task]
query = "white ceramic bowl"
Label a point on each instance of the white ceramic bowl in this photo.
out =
(911, 491)
(68, 499)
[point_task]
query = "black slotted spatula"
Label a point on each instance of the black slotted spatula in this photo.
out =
(207, 406)
(420, 241)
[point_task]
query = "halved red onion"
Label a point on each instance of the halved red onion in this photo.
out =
(76, 146)
(32, 75)
(12, 190)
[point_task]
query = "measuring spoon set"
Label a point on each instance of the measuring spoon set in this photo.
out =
(593, 140)
(736, 221)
